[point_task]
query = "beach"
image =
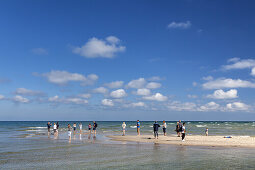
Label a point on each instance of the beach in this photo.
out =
(27, 145)
(193, 140)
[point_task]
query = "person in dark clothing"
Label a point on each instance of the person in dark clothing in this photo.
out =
(57, 125)
(177, 129)
(155, 129)
(48, 126)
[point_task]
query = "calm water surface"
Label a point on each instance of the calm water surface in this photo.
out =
(26, 145)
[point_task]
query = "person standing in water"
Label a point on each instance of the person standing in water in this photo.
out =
(183, 132)
(206, 132)
(94, 127)
(138, 127)
(180, 128)
(177, 129)
(57, 126)
(124, 128)
(74, 128)
(89, 127)
(155, 129)
(48, 126)
(164, 128)
(80, 125)
(69, 128)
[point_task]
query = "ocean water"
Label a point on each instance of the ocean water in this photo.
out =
(27, 145)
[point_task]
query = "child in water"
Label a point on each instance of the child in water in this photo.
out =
(89, 126)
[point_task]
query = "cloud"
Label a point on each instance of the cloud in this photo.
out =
(179, 25)
(115, 84)
(211, 106)
(237, 106)
(253, 71)
(63, 77)
(39, 51)
(107, 102)
(138, 83)
(69, 100)
(96, 48)
(156, 97)
(227, 83)
(20, 99)
(178, 106)
(1, 97)
(143, 92)
(192, 96)
(208, 78)
(101, 90)
(27, 92)
(237, 63)
(138, 104)
(220, 94)
(86, 95)
(118, 93)
(153, 85)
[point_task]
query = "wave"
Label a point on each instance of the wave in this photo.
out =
(200, 125)
(37, 127)
(133, 126)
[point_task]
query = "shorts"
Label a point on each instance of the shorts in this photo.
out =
(55, 130)
(89, 128)
(69, 133)
(48, 129)
(74, 128)
(164, 130)
(94, 128)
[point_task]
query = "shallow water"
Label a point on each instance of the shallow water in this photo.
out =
(26, 145)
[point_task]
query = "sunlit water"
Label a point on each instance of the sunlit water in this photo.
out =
(26, 145)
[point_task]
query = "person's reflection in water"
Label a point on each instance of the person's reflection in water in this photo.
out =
(89, 136)
(94, 139)
(80, 137)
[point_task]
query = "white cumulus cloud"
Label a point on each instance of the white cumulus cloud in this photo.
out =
(153, 85)
(101, 90)
(143, 92)
(227, 83)
(107, 102)
(114, 84)
(20, 99)
(220, 94)
(69, 100)
(118, 93)
(138, 104)
(96, 48)
(180, 25)
(138, 83)
(237, 106)
(156, 97)
(63, 77)
(211, 106)
(85, 95)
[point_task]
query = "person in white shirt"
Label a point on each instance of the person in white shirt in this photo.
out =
(55, 128)
(80, 125)
(124, 128)
(183, 132)
(164, 128)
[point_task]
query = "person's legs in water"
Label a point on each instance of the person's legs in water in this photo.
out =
(157, 134)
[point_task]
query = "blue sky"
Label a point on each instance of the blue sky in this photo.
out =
(127, 60)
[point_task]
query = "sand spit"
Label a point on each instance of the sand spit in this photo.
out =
(213, 141)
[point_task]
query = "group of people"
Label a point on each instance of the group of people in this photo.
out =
(180, 129)
(91, 128)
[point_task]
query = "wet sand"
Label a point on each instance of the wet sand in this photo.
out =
(213, 141)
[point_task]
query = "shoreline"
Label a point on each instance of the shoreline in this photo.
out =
(193, 140)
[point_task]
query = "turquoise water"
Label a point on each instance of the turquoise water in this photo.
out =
(26, 145)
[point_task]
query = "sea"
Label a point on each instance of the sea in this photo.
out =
(27, 145)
